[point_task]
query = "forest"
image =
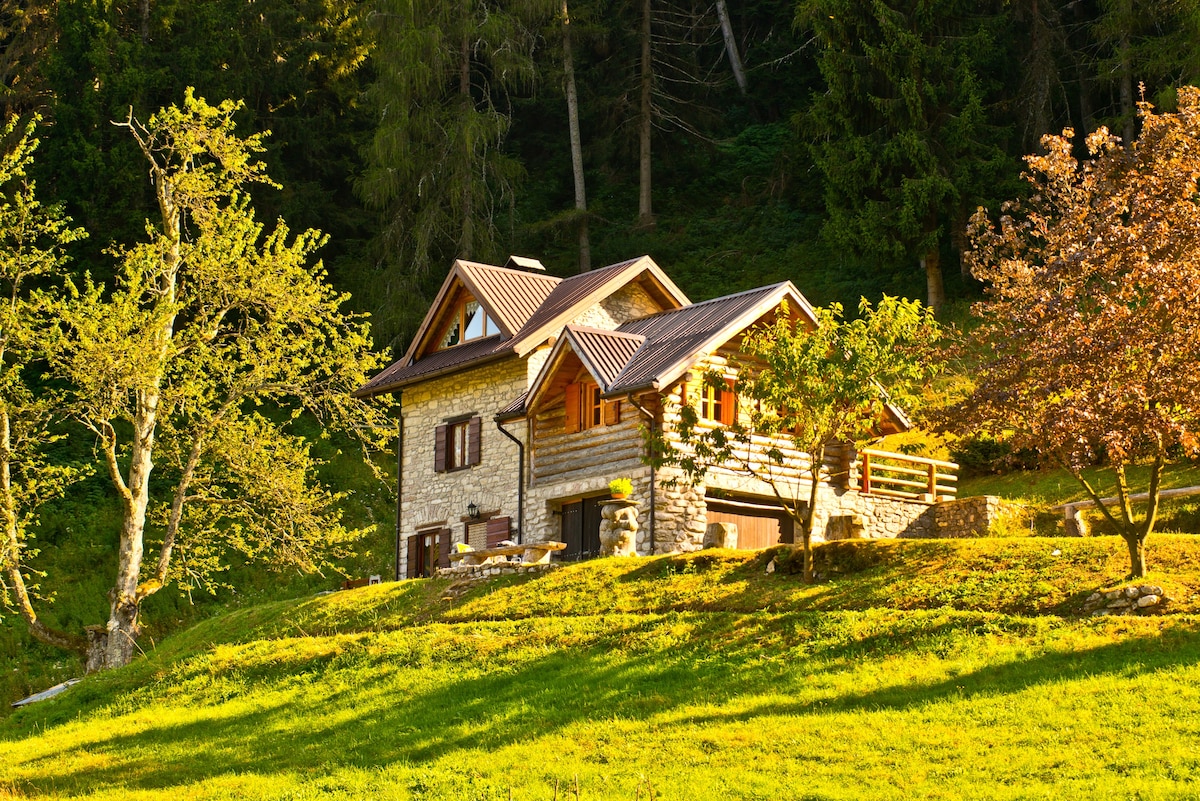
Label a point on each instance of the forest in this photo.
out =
(843, 145)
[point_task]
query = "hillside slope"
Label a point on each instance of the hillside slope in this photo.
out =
(917, 670)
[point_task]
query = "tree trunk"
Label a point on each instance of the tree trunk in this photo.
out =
(585, 249)
(1137, 554)
(731, 49)
(932, 265)
(12, 552)
(645, 209)
(124, 597)
(1128, 112)
(816, 460)
(467, 237)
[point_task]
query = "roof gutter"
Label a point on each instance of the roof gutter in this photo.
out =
(520, 481)
(653, 472)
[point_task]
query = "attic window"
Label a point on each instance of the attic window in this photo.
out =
(468, 322)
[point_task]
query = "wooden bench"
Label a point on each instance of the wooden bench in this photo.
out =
(533, 553)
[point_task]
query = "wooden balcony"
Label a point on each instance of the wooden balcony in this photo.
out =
(912, 478)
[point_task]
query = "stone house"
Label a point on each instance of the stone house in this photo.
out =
(522, 395)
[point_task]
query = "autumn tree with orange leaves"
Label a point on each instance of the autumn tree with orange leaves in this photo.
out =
(1091, 325)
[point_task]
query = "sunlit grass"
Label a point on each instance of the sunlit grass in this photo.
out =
(678, 677)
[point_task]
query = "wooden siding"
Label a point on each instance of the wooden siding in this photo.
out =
(611, 450)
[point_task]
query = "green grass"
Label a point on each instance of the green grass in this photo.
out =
(919, 670)
(1039, 490)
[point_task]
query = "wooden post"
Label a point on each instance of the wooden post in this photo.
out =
(933, 483)
(866, 473)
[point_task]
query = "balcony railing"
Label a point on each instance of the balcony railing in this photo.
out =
(913, 478)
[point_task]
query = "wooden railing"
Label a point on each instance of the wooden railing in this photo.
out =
(911, 477)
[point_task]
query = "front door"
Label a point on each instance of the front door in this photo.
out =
(581, 529)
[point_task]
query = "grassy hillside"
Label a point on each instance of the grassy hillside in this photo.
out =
(916, 670)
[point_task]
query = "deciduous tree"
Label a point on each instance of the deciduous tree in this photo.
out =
(211, 340)
(32, 238)
(1092, 322)
(805, 390)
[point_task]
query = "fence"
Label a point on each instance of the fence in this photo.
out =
(913, 478)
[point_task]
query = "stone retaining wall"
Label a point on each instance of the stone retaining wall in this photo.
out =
(1143, 599)
(481, 572)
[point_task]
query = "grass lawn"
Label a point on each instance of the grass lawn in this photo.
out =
(920, 670)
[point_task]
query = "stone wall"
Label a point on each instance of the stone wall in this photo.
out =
(630, 302)
(481, 572)
(431, 499)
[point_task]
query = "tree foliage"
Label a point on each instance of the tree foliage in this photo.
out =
(1092, 324)
(903, 129)
(803, 389)
(180, 366)
(32, 239)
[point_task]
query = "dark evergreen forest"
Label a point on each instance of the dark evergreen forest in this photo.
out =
(838, 143)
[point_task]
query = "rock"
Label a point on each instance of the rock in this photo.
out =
(721, 535)
(1131, 592)
(771, 566)
(1095, 596)
(1120, 603)
(1112, 595)
(1148, 600)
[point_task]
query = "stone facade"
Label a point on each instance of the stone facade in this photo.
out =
(434, 500)
(627, 303)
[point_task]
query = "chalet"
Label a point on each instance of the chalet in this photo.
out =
(522, 395)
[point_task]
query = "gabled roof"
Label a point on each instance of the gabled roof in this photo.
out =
(603, 354)
(653, 352)
(509, 296)
(572, 296)
(675, 340)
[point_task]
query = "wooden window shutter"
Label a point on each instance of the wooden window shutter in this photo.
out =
(497, 530)
(728, 404)
(474, 433)
(572, 408)
(414, 556)
(444, 546)
(612, 412)
(439, 449)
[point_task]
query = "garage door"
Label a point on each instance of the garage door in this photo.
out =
(759, 525)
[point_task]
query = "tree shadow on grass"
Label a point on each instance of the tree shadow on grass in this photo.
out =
(381, 704)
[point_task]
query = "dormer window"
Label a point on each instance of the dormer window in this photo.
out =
(469, 321)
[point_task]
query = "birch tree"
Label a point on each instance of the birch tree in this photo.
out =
(210, 325)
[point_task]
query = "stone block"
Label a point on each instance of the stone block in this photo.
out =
(721, 535)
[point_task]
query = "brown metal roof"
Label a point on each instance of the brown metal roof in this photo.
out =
(603, 353)
(675, 338)
(401, 373)
(573, 295)
(513, 295)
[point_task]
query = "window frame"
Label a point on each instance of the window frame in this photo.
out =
(458, 321)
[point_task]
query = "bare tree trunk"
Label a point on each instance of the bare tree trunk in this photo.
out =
(144, 12)
(731, 49)
(931, 263)
(585, 248)
(1128, 115)
(645, 209)
(467, 238)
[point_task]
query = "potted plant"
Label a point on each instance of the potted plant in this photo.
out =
(620, 488)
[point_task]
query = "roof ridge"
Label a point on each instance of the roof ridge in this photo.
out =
(720, 299)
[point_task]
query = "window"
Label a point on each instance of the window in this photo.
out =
(456, 445)
(718, 405)
(586, 409)
(469, 321)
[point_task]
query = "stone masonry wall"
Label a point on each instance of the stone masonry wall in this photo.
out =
(627, 303)
(437, 499)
